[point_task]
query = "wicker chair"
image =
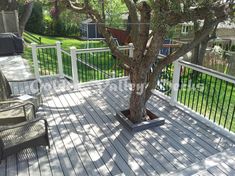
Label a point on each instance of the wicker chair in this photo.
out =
(6, 91)
(23, 135)
(16, 111)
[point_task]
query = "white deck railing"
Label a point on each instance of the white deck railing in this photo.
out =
(212, 80)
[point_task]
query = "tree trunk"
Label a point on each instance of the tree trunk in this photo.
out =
(103, 10)
(28, 7)
(137, 101)
(195, 56)
(202, 53)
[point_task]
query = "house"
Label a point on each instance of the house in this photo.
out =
(225, 33)
(89, 30)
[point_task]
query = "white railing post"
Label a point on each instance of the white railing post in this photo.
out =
(74, 66)
(131, 50)
(59, 59)
(35, 60)
(175, 82)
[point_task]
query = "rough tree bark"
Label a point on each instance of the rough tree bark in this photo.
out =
(27, 10)
(200, 50)
(162, 15)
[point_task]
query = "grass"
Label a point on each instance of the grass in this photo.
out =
(205, 94)
(215, 99)
(107, 65)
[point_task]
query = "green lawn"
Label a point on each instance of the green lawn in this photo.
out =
(207, 95)
(104, 61)
(216, 100)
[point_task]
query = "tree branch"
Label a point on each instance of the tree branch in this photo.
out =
(145, 12)
(79, 8)
(173, 18)
(101, 26)
(134, 19)
(28, 7)
(203, 33)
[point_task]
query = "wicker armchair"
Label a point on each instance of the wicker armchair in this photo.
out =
(23, 135)
(6, 92)
(13, 112)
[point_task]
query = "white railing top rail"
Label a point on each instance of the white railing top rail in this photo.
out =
(106, 49)
(208, 71)
(65, 52)
(46, 46)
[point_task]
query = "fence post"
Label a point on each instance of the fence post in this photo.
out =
(4, 21)
(131, 50)
(175, 82)
(17, 19)
(59, 59)
(35, 60)
(74, 67)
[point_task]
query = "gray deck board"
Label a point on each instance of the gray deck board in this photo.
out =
(199, 129)
(11, 165)
(86, 138)
(113, 140)
(168, 155)
(215, 170)
(214, 164)
(207, 150)
(171, 133)
(226, 169)
(136, 139)
(3, 168)
(125, 142)
(83, 149)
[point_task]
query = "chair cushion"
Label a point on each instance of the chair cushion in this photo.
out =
(19, 135)
(15, 115)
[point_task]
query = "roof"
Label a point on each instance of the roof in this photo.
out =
(89, 20)
(121, 35)
(223, 25)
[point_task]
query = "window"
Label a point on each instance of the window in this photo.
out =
(185, 29)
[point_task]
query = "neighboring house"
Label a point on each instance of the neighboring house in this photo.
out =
(89, 30)
(225, 33)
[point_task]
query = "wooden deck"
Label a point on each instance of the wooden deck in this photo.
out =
(86, 138)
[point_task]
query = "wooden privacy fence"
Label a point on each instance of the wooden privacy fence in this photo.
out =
(9, 22)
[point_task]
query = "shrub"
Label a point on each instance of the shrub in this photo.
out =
(232, 48)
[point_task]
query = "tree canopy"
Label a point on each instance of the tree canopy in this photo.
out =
(150, 22)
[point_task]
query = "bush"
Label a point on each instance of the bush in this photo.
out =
(41, 22)
(48, 25)
(232, 48)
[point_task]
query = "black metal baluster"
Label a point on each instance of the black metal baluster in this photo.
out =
(208, 96)
(217, 103)
(225, 92)
(213, 96)
(229, 103)
(186, 91)
(198, 94)
(195, 88)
